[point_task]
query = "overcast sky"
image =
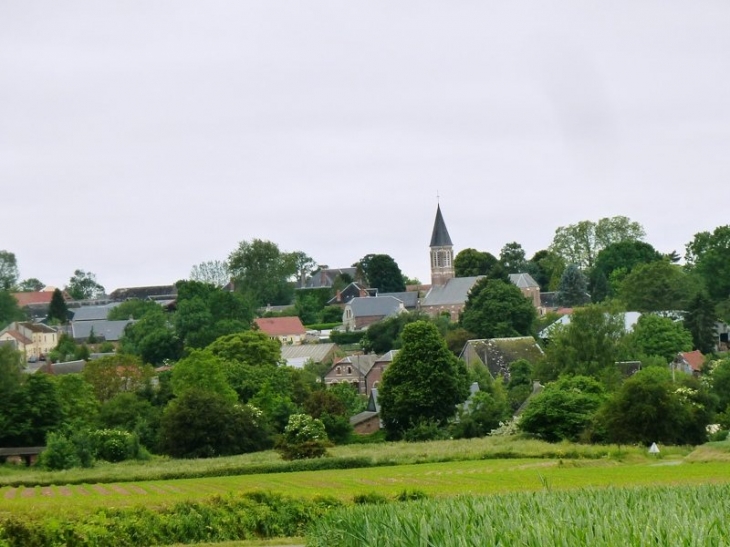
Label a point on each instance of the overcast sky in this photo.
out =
(140, 138)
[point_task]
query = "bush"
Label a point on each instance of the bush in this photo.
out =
(115, 445)
(411, 495)
(60, 453)
(426, 430)
(304, 437)
(371, 498)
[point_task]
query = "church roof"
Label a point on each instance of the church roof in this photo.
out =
(440, 236)
(454, 292)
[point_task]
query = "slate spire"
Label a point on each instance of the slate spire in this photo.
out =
(440, 236)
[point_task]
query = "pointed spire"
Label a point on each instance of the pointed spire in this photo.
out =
(440, 236)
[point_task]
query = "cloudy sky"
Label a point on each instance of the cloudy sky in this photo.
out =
(140, 138)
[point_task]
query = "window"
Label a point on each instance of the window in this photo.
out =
(349, 370)
(338, 371)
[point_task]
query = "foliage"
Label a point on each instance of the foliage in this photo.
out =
(60, 453)
(11, 367)
(580, 243)
(625, 256)
(573, 288)
(520, 382)
(9, 309)
(114, 445)
(151, 337)
(213, 272)
(383, 336)
(512, 257)
(720, 383)
(8, 271)
(345, 338)
(79, 405)
(650, 407)
(202, 371)
(699, 320)
(662, 336)
(311, 303)
(484, 413)
(31, 412)
(134, 308)
(262, 272)
(658, 286)
(382, 272)
(116, 374)
(470, 263)
(251, 347)
(425, 430)
(203, 424)
(57, 310)
(331, 315)
(708, 255)
(31, 285)
(304, 437)
(546, 267)
(424, 382)
(497, 309)
(564, 410)
(348, 395)
(84, 286)
(132, 413)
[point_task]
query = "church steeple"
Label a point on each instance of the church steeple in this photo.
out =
(442, 254)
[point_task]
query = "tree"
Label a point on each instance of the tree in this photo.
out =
(11, 367)
(79, 404)
(546, 267)
(520, 382)
(214, 272)
(382, 272)
(133, 308)
(262, 272)
(304, 437)
(424, 383)
(201, 371)
(8, 271)
(116, 374)
(658, 286)
(497, 309)
(699, 320)
(470, 263)
(512, 257)
(580, 243)
(57, 310)
(564, 410)
(31, 285)
(720, 383)
(152, 337)
(303, 266)
(655, 335)
(31, 412)
(649, 407)
(203, 424)
(83, 286)
(253, 348)
(708, 254)
(9, 309)
(484, 413)
(383, 336)
(625, 256)
(573, 289)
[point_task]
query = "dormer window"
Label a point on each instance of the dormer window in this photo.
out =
(349, 370)
(338, 371)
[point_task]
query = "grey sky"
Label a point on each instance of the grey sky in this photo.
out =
(140, 138)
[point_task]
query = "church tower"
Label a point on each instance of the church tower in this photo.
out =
(442, 253)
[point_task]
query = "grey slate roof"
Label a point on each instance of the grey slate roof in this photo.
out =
(92, 313)
(497, 354)
(360, 362)
(455, 291)
(523, 280)
(297, 356)
(154, 292)
(440, 236)
(409, 298)
(326, 277)
(109, 330)
(375, 306)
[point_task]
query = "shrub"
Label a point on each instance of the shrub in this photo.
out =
(411, 495)
(425, 430)
(115, 445)
(370, 498)
(304, 437)
(60, 453)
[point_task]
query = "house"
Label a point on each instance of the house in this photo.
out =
(36, 303)
(351, 370)
(689, 362)
(497, 354)
(298, 356)
(367, 421)
(288, 330)
(409, 299)
(33, 340)
(529, 287)
(353, 290)
(375, 374)
(361, 312)
(325, 277)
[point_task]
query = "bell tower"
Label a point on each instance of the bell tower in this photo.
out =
(442, 253)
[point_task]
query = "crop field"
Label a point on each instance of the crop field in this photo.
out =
(435, 479)
(694, 516)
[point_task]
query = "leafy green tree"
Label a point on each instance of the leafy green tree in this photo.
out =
(330, 314)
(116, 374)
(213, 272)
(79, 404)
(57, 310)
(546, 267)
(133, 308)
(589, 345)
(11, 367)
(382, 272)
(9, 309)
(204, 424)
(262, 272)
(655, 335)
(520, 382)
(425, 382)
(8, 271)
(720, 383)
(202, 371)
(84, 286)
(309, 304)
(497, 309)
(304, 437)
(31, 285)
(708, 255)
(153, 338)
(580, 243)
(384, 335)
(564, 410)
(573, 289)
(33, 411)
(649, 407)
(348, 395)
(470, 263)
(699, 320)
(658, 286)
(303, 266)
(276, 405)
(251, 347)
(625, 255)
(512, 257)
(205, 312)
(483, 414)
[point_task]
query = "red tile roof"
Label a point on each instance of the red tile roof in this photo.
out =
(280, 326)
(694, 359)
(19, 337)
(39, 297)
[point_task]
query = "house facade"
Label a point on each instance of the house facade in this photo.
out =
(361, 312)
(33, 340)
(352, 370)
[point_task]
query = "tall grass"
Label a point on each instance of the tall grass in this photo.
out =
(688, 516)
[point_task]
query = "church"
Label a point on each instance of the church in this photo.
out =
(448, 293)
